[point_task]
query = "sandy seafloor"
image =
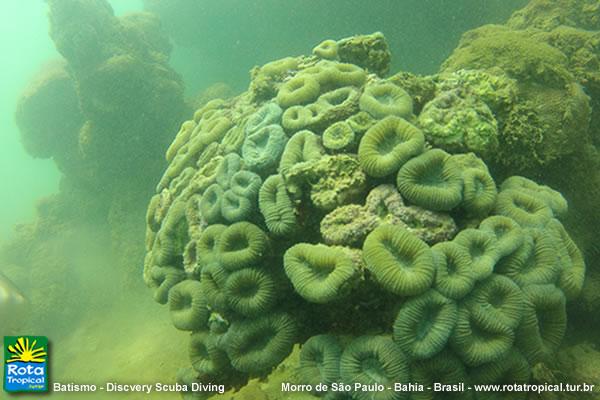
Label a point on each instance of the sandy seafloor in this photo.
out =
(130, 344)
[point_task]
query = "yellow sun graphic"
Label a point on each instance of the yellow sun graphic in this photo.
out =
(25, 352)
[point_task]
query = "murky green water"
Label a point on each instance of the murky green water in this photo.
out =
(278, 196)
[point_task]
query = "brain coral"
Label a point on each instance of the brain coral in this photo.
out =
(390, 260)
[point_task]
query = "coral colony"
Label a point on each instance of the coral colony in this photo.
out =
(317, 208)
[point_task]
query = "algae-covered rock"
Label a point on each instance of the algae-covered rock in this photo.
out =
(515, 52)
(542, 112)
(105, 115)
(331, 181)
(113, 60)
(367, 51)
(267, 78)
(48, 113)
(582, 47)
(420, 88)
(349, 225)
(547, 15)
(492, 86)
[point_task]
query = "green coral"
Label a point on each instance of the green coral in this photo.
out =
(444, 368)
(263, 148)
(508, 233)
(544, 322)
(421, 89)
(238, 202)
(497, 300)
(572, 274)
(527, 209)
(311, 82)
(320, 274)
(557, 203)
(182, 136)
(250, 291)
(207, 243)
(296, 118)
(327, 50)
(205, 354)
(331, 106)
(492, 86)
(230, 164)
(303, 146)
(301, 89)
(482, 248)
(172, 233)
(232, 198)
(338, 137)
(188, 306)
(241, 245)
(510, 369)
(255, 346)
(424, 324)
(582, 50)
(360, 122)
(515, 52)
(479, 191)
(399, 261)
(348, 225)
(268, 114)
(277, 207)
(535, 262)
(454, 276)
(418, 260)
(343, 74)
(245, 183)
(213, 278)
(374, 360)
(210, 204)
(162, 279)
(334, 106)
(320, 360)
(386, 99)
(549, 15)
(203, 135)
(478, 343)
(388, 145)
(234, 207)
(432, 181)
(267, 79)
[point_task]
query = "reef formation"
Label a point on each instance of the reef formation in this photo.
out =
(358, 215)
(549, 131)
(103, 114)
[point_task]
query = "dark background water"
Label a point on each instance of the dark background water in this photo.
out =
(220, 41)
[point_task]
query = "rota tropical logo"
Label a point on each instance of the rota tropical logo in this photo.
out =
(25, 363)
